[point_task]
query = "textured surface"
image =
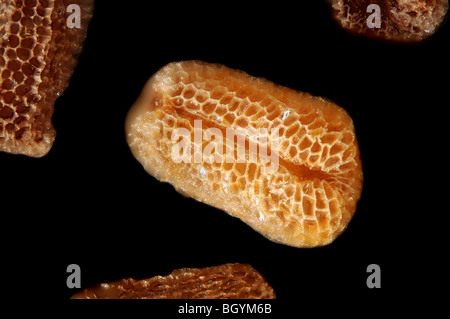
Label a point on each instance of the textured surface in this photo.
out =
(312, 196)
(401, 20)
(229, 281)
(38, 53)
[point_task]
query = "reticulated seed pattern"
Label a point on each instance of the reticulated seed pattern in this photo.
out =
(229, 281)
(400, 20)
(38, 53)
(310, 198)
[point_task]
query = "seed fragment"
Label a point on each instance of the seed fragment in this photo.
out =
(398, 20)
(36, 64)
(229, 281)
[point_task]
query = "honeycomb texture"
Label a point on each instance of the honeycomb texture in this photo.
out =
(401, 20)
(229, 281)
(312, 196)
(38, 53)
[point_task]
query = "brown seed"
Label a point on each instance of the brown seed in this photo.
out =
(400, 20)
(36, 77)
(268, 202)
(229, 281)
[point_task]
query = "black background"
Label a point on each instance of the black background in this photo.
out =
(89, 202)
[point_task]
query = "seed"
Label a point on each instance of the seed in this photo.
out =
(26, 69)
(397, 21)
(288, 169)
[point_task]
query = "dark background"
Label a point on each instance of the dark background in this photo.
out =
(89, 202)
